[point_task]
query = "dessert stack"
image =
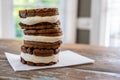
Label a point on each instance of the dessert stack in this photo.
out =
(42, 36)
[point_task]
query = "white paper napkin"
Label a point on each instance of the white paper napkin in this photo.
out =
(66, 58)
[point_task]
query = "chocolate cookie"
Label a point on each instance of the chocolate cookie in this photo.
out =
(39, 52)
(51, 34)
(38, 12)
(43, 31)
(43, 46)
(36, 64)
(45, 52)
(42, 25)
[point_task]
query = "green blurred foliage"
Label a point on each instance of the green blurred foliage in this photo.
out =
(25, 4)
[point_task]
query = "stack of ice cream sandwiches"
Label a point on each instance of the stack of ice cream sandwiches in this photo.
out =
(42, 36)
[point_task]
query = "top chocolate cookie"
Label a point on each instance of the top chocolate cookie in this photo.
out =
(38, 12)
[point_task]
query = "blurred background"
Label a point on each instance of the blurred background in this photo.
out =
(93, 22)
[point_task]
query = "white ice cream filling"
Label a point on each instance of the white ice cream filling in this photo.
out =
(39, 59)
(42, 38)
(38, 19)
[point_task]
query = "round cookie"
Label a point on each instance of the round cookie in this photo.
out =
(37, 64)
(42, 25)
(38, 12)
(42, 46)
(43, 43)
(51, 34)
(43, 31)
(39, 52)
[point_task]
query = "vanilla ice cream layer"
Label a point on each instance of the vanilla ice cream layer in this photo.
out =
(42, 38)
(38, 19)
(38, 59)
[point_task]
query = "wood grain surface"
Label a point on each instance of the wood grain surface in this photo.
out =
(106, 66)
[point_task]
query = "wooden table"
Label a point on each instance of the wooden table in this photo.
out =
(106, 66)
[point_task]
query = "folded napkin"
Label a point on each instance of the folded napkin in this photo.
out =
(66, 58)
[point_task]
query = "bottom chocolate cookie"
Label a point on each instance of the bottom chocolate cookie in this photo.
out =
(37, 64)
